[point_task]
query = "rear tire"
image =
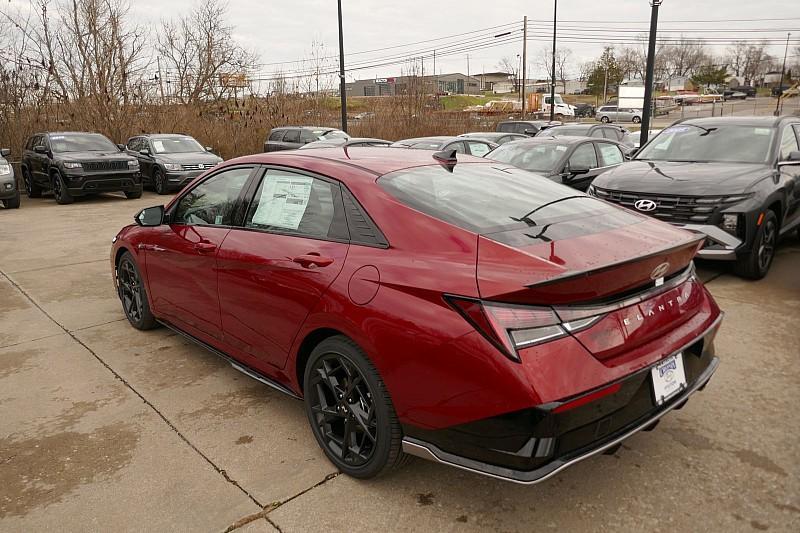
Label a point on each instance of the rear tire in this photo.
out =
(636, 120)
(604, 119)
(755, 264)
(33, 190)
(63, 196)
(133, 294)
(350, 412)
(132, 195)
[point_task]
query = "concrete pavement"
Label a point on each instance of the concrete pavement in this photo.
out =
(103, 427)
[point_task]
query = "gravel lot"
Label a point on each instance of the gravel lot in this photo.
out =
(103, 427)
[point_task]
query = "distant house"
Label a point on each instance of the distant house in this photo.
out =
(489, 81)
(772, 77)
(677, 83)
(455, 83)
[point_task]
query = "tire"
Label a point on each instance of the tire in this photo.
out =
(604, 119)
(338, 364)
(33, 190)
(63, 196)
(159, 182)
(559, 117)
(755, 264)
(636, 120)
(12, 203)
(133, 295)
(132, 195)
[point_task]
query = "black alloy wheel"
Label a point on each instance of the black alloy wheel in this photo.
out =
(757, 263)
(31, 188)
(349, 409)
(160, 182)
(636, 120)
(60, 190)
(132, 294)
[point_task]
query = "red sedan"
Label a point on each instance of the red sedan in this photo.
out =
(461, 310)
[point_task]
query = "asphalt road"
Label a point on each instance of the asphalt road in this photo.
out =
(105, 428)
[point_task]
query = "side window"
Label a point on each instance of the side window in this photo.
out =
(286, 202)
(505, 127)
(457, 146)
(583, 157)
(292, 136)
(788, 143)
(610, 133)
(598, 132)
(213, 201)
(276, 135)
(521, 127)
(478, 149)
(610, 154)
(135, 144)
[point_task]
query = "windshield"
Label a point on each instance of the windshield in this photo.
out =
(176, 145)
(488, 198)
(720, 143)
(81, 142)
(534, 157)
(563, 130)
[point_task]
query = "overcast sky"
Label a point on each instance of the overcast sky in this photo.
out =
(283, 31)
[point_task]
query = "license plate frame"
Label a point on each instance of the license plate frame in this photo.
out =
(668, 378)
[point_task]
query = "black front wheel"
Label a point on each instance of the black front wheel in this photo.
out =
(133, 294)
(636, 120)
(60, 190)
(12, 203)
(755, 264)
(160, 182)
(132, 195)
(350, 411)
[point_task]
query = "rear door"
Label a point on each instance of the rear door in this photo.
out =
(274, 270)
(291, 140)
(609, 154)
(181, 258)
(478, 148)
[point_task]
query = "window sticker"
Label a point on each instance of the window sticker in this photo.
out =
(283, 201)
(561, 148)
(158, 146)
(676, 129)
(761, 131)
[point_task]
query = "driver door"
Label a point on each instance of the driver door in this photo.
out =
(181, 259)
(582, 167)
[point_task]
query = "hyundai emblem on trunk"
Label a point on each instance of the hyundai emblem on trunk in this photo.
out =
(644, 205)
(659, 271)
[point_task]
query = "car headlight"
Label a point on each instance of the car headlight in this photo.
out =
(5, 169)
(72, 164)
(133, 165)
(172, 166)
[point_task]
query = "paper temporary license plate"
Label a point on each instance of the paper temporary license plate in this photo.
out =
(668, 378)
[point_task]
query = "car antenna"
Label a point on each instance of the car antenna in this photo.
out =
(447, 158)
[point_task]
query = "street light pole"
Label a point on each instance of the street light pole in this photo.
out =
(648, 81)
(342, 88)
(783, 69)
(524, 61)
(553, 79)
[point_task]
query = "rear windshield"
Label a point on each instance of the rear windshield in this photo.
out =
(564, 130)
(721, 143)
(488, 198)
(81, 142)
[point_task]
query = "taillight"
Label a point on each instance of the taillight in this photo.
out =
(514, 327)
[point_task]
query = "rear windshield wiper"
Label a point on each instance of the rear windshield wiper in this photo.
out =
(526, 217)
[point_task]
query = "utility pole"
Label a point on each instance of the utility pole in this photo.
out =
(435, 76)
(553, 79)
(524, 60)
(342, 88)
(605, 84)
(648, 79)
(160, 80)
(783, 69)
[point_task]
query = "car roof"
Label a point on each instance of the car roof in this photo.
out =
(561, 139)
(765, 121)
(374, 160)
(162, 135)
(305, 128)
(491, 134)
(68, 133)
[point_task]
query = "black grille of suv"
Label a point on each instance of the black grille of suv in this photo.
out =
(94, 166)
(680, 209)
(197, 166)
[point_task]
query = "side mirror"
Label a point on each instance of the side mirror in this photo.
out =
(144, 151)
(40, 149)
(531, 132)
(209, 149)
(4, 152)
(150, 216)
(574, 170)
(121, 147)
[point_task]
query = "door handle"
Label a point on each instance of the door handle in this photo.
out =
(205, 247)
(312, 260)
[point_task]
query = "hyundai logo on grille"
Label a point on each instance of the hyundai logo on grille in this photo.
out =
(659, 271)
(645, 205)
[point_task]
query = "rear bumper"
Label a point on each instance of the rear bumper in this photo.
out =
(720, 245)
(532, 445)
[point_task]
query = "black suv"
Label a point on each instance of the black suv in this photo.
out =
(292, 137)
(77, 164)
(734, 179)
(170, 161)
(9, 193)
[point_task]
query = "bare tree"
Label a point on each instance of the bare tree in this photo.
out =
(203, 60)
(545, 62)
(684, 57)
(511, 67)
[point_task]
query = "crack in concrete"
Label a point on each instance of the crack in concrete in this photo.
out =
(275, 505)
(37, 269)
(30, 340)
(183, 437)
